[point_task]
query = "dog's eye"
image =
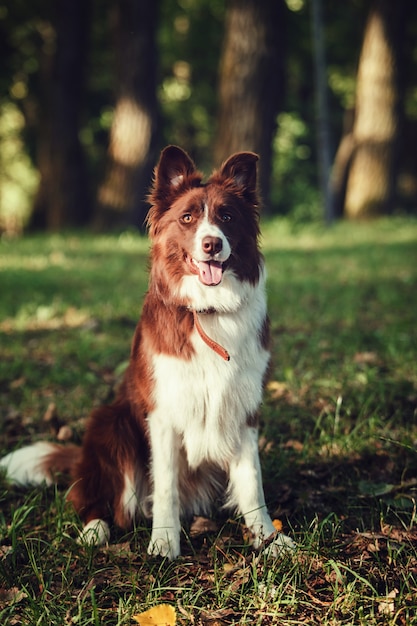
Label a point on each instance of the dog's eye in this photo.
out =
(225, 217)
(187, 218)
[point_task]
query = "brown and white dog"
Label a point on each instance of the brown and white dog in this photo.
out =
(182, 431)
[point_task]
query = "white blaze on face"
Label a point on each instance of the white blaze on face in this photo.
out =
(210, 266)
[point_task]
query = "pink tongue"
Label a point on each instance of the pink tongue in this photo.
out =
(210, 272)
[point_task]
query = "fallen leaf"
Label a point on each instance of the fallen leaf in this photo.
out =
(19, 382)
(277, 524)
(367, 488)
(294, 444)
(64, 433)
(121, 550)
(228, 567)
(202, 525)
(366, 358)
(50, 413)
(216, 615)
(160, 615)
(277, 389)
(387, 605)
(12, 595)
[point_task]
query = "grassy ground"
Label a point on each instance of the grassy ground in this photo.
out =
(338, 436)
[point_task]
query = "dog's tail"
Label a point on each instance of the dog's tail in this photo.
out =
(41, 462)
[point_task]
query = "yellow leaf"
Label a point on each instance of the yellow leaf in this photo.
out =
(160, 615)
(277, 524)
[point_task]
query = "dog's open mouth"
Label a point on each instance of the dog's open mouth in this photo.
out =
(209, 272)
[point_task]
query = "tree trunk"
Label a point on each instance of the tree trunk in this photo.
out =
(371, 180)
(133, 135)
(322, 109)
(251, 82)
(341, 165)
(62, 199)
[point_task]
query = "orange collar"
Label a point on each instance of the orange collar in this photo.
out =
(210, 342)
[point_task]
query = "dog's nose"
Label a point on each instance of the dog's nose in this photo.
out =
(211, 245)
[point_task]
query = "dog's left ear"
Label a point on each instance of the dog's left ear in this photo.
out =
(241, 168)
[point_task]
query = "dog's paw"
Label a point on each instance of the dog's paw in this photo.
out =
(267, 540)
(281, 546)
(165, 545)
(95, 533)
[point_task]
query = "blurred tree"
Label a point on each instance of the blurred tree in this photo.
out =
(62, 198)
(189, 41)
(251, 81)
(134, 131)
(376, 129)
(322, 108)
(47, 110)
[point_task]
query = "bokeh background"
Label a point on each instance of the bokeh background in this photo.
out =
(91, 90)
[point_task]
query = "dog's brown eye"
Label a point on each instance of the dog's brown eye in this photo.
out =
(225, 217)
(187, 218)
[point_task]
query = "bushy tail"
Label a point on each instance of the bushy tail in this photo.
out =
(41, 462)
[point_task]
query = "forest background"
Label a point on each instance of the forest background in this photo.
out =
(325, 92)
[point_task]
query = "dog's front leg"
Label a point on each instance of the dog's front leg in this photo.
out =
(165, 538)
(246, 492)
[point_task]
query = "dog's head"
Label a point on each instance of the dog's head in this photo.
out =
(205, 230)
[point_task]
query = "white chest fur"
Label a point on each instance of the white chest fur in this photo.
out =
(207, 400)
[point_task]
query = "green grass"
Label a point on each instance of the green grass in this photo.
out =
(338, 434)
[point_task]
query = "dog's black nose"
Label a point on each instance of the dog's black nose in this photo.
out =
(211, 245)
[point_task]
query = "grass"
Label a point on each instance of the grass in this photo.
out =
(338, 434)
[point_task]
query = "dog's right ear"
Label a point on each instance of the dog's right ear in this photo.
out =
(174, 174)
(173, 169)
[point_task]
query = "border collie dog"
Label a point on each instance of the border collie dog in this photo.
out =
(182, 431)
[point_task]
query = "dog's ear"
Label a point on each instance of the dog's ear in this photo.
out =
(241, 168)
(174, 174)
(173, 169)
